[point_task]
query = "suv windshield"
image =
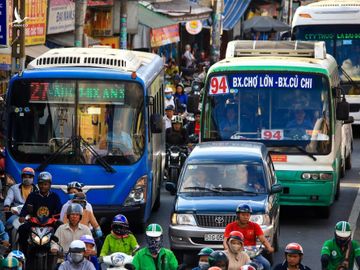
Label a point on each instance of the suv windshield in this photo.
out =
(47, 114)
(224, 178)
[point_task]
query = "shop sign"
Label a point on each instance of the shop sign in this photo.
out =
(113, 42)
(101, 22)
(3, 24)
(5, 61)
(61, 16)
(193, 27)
(94, 3)
(164, 35)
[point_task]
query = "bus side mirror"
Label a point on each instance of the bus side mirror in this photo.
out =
(350, 120)
(342, 110)
(156, 123)
(193, 103)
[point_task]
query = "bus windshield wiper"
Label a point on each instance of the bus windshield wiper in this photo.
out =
(302, 150)
(75, 140)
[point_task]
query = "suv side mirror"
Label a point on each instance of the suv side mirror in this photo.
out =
(156, 123)
(342, 110)
(276, 188)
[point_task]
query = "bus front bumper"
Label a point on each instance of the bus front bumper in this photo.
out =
(134, 214)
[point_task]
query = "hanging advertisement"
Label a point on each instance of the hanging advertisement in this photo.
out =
(113, 42)
(34, 21)
(164, 35)
(95, 3)
(3, 24)
(193, 27)
(61, 16)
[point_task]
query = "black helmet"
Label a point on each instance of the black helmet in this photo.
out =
(218, 258)
(243, 208)
(80, 198)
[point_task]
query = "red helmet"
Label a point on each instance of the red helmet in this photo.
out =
(294, 248)
(28, 171)
(247, 267)
(236, 235)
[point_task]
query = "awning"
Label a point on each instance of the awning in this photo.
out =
(67, 40)
(153, 19)
(233, 11)
(35, 51)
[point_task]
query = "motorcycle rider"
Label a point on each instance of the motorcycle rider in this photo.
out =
(76, 258)
(42, 204)
(341, 251)
(176, 135)
(235, 253)
(90, 251)
(203, 258)
(88, 218)
(70, 231)
(250, 230)
(293, 256)
(154, 256)
(194, 127)
(17, 194)
(72, 188)
(17, 254)
(120, 239)
(218, 258)
(169, 113)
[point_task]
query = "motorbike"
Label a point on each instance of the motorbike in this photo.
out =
(253, 252)
(116, 261)
(41, 235)
(176, 156)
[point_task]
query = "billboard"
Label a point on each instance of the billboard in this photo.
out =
(61, 16)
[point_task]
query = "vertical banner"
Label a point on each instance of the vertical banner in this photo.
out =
(3, 23)
(61, 16)
(35, 31)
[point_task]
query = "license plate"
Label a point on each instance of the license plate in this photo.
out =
(213, 237)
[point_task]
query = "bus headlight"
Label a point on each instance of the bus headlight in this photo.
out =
(317, 176)
(138, 194)
(183, 219)
(261, 219)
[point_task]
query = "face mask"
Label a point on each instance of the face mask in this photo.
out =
(28, 181)
(154, 244)
(168, 96)
(77, 257)
(235, 248)
(203, 265)
(71, 196)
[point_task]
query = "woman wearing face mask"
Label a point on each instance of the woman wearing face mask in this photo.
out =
(203, 259)
(235, 252)
(72, 188)
(76, 259)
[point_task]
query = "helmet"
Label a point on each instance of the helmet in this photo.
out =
(76, 185)
(28, 171)
(294, 248)
(80, 198)
(10, 263)
(44, 177)
(236, 235)
(120, 219)
(247, 267)
(120, 225)
(168, 90)
(216, 257)
(343, 229)
(214, 268)
(177, 119)
(177, 77)
(77, 246)
(87, 239)
(18, 255)
(205, 251)
(243, 208)
(74, 208)
(154, 230)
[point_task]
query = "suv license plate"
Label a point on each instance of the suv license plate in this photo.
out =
(213, 237)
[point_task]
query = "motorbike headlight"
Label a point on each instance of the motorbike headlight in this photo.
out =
(117, 260)
(45, 240)
(138, 194)
(183, 219)
(35, 238)
(263, 219)
(174, 155)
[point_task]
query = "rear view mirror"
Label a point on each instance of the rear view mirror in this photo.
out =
(156, 123)
(349, 121)
(276, 188)
(342, 110)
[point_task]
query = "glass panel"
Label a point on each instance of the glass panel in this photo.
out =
(229, 178)
(107, 122)
(283, 109)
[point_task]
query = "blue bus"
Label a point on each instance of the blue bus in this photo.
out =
(92, 115)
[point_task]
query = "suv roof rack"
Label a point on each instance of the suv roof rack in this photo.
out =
(124, 60)
(243, 48)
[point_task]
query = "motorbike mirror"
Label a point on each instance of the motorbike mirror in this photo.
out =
(170, 186)
(55, 239)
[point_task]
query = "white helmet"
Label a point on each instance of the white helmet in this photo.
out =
(77, 246)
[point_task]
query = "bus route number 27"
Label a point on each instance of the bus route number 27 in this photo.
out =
(218, 85)
(272, 134)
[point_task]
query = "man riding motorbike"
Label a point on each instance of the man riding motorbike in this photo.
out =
(76, 258)
(293, 256)
(177, 134)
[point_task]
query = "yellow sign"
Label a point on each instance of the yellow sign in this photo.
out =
(113, 42)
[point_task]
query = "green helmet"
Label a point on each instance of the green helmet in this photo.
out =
(343, 229)
(154, 230)
(10, 263)
(205, 251)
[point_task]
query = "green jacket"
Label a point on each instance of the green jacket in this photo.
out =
(144, 261)
(115, 244)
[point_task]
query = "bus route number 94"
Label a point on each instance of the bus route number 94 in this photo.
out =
(218, 85)
(272, 134)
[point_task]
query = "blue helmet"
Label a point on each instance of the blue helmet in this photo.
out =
(243, 208)
(44, 177)
(18, 255)
(120, 219)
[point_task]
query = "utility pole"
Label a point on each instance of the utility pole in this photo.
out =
(216, 29)
(123, 24)
(80, 10)
(18, 38)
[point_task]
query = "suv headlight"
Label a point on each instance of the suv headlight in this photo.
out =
(138, 194)
(263, 219)
(183, 219)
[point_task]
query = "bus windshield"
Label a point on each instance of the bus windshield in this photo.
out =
(46, 116)
(280, 109)
(342, 42)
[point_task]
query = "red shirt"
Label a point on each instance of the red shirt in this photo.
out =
(250, 232)
(197, 128)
